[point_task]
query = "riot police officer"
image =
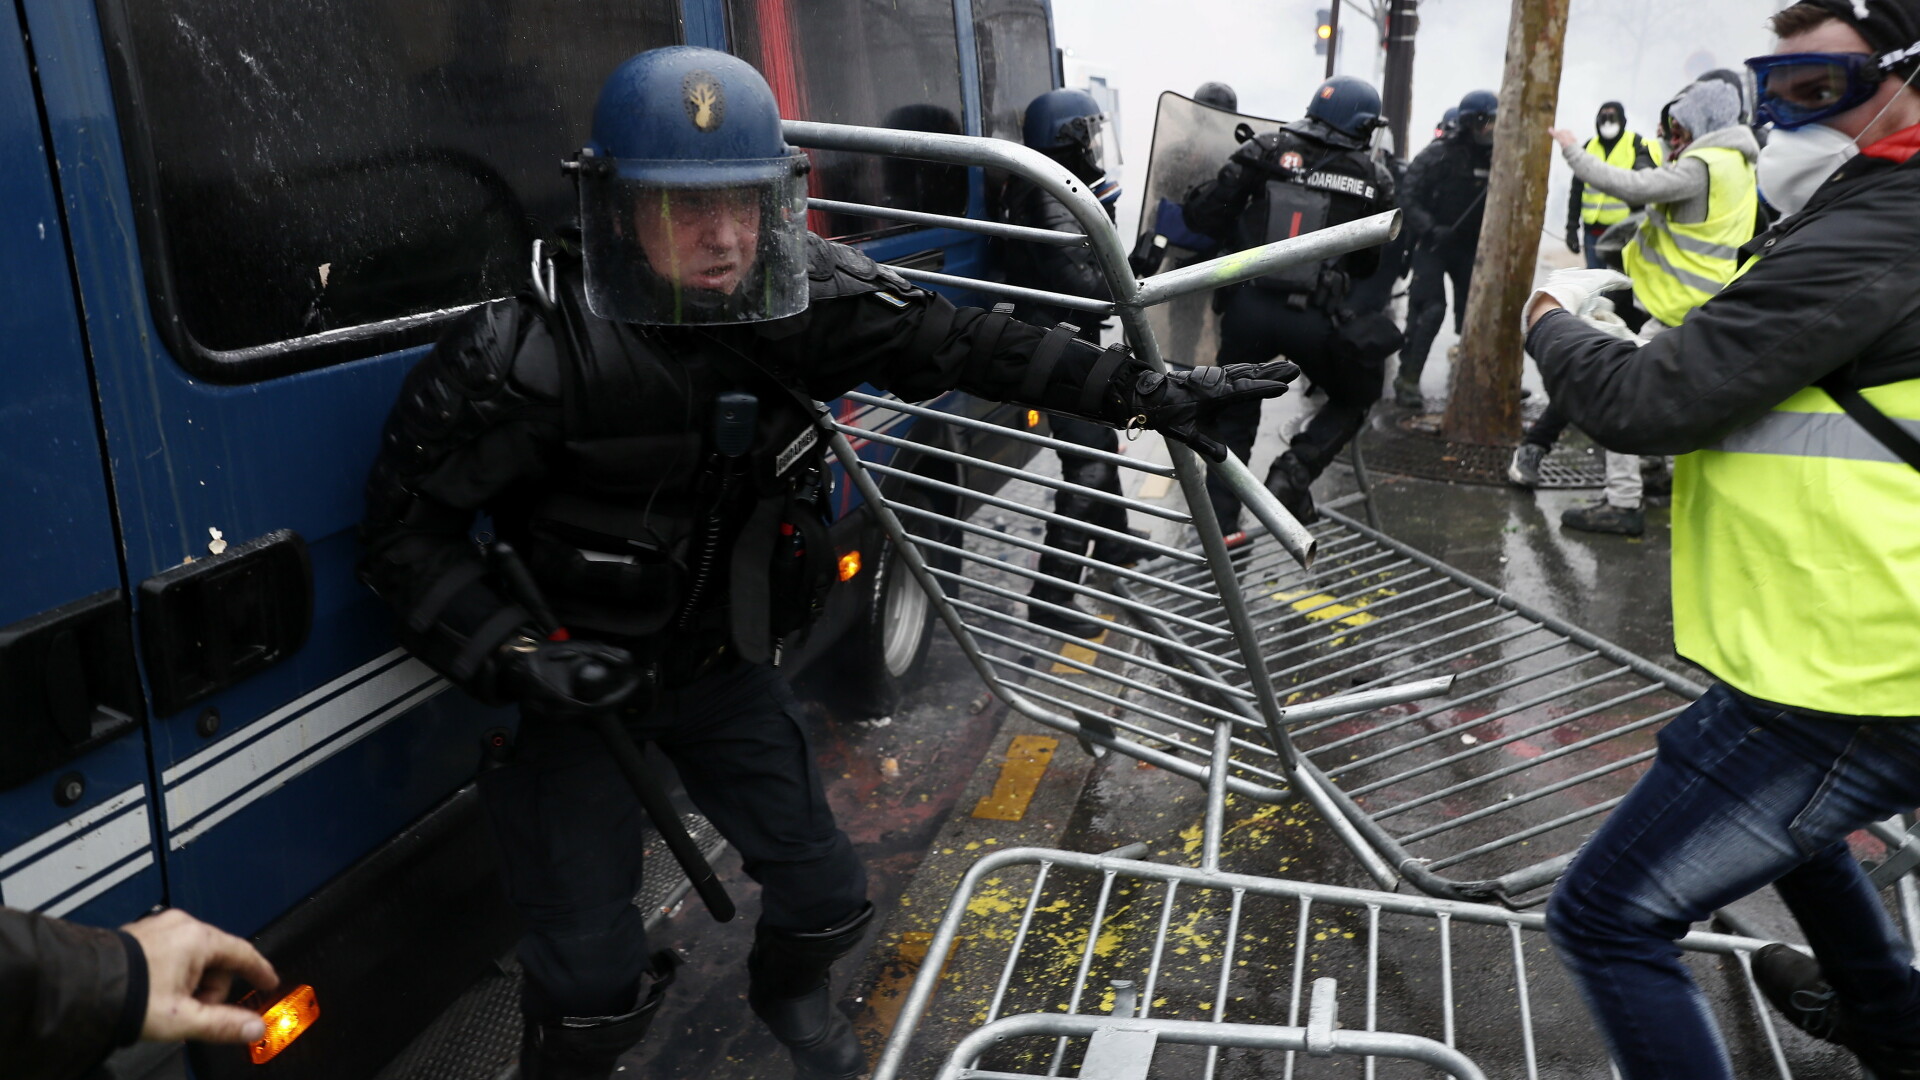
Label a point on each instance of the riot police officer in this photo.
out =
(1308, 175)
(1218, 95)
(1446, 201)
(1067, 126)
(639, 425)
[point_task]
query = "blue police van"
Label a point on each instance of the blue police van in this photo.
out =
(227, 229)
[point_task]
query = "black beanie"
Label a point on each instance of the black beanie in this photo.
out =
(1892, 27)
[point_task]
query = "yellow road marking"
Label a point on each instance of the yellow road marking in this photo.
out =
(1080, 655)
(1321, 607)
(1027, 758)
(896, 978)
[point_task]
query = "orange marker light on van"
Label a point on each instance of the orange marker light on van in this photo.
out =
(286, 1020)
(849, 565)
(1033, 417)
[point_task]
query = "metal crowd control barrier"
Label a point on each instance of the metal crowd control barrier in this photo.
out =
(1484, 796)
(1222, 961)
(1212, 667)
(975, 576)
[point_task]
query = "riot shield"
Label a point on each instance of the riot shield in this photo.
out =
(1191, 142)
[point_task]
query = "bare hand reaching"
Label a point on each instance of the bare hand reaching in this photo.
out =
(1562, 136)
(190, 969)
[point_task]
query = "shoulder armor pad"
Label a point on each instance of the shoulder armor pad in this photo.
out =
(477, 351)
(836, 270)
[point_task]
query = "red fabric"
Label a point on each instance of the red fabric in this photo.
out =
(1897, 147)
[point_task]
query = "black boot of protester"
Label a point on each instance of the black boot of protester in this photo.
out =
(1792, 982)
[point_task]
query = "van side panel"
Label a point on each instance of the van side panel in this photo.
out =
(93, 857)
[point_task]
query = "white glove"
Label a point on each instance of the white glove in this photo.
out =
(1604, 318)
(1579, 290)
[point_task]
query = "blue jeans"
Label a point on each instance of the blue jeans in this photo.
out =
(1739, 796)
(1590, 241)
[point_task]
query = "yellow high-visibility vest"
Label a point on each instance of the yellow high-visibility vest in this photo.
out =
(1677, 267)
(1596, 206)
(1796, 558)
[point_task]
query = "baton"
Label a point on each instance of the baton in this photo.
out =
(626, 756)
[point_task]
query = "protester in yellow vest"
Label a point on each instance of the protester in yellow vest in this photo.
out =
(1700, 208)
(1795, 395)
(1590, 211)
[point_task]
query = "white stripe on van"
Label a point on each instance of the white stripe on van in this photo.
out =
(237, 781)
(38, 883)
(180, 770)
(73, 826)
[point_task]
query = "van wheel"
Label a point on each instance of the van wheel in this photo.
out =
(880, 655)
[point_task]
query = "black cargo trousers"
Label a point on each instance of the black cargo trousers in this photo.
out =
(1260, 324)
(570, 831)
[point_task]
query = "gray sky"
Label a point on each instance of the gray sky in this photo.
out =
(1639, 52)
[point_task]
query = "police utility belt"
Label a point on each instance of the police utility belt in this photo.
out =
(685, 571)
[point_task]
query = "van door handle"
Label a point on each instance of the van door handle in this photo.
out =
(211, 623)
(69, 682)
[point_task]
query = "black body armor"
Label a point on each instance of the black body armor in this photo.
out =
(590, 444)
(1288, 183)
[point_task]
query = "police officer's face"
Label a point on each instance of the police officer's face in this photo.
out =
(701, 239)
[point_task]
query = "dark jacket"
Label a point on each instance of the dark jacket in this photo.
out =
(1446, 191)
(68, 995)
(1835, 288)
(481, 425)
(1232, 206)
(1642, 159)
(1072, 270)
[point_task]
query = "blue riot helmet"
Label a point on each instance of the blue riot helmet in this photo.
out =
(1070, 127)
(1347, 110)
(1478, 110)
(693, 208)
(1217, 95)
(1449, 122)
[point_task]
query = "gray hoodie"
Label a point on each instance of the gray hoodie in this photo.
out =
(1711, 110)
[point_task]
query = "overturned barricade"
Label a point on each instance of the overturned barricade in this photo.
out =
(1417, 709)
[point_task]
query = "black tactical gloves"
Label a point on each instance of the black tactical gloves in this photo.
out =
(567, 680)
(1179, 403)
(1573, 239)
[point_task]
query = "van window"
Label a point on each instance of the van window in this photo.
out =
(318, 179)
(894, 64)
(1016, 61)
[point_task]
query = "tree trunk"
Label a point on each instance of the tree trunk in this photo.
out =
(1483, 398)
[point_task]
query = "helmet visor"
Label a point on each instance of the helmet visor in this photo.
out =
(673, 247)
(1089, 133)
(1797, 89)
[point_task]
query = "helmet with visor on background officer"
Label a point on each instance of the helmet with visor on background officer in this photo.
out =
(1313, 173)
(640, 425)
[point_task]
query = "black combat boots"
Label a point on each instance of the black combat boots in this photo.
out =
(1292, 484)
(1792, 981)
(788, 990)
(588, 1047)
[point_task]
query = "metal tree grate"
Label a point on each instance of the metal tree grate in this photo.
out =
(1410, 448)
